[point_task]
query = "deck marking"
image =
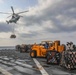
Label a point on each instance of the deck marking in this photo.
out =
(42, 70)
(25, 65)
(4, 72)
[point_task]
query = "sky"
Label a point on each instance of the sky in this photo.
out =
(46, 20)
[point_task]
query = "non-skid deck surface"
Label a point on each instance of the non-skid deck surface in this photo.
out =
(16, 63)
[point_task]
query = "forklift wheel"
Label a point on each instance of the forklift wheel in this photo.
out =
(33, 54)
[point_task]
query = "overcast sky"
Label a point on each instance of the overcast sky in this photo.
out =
(46, 20)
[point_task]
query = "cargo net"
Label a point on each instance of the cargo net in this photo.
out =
(68, 59)
(13, 36)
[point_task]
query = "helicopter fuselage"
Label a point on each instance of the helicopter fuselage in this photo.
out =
(14, 19)
(15, 16)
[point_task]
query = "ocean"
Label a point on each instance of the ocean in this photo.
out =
(7, 47)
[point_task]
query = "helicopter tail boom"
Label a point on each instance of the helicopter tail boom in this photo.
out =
(7, 22)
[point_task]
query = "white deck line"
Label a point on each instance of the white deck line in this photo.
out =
(25, 65)
(42, 70)
(4, 72)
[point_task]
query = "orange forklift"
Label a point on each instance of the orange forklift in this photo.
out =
(44, 48)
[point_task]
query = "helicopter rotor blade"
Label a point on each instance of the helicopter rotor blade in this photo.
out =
(22, 12)
(12, 9)
(9, 16)
(4, 13)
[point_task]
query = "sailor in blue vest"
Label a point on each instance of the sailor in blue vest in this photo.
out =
(46, 45)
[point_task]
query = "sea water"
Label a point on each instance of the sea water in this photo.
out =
(7, 47)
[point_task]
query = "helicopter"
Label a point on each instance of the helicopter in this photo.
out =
(15, 16)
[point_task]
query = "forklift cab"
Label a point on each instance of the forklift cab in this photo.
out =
(47, 44)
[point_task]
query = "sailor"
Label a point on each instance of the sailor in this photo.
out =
(46, 45)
